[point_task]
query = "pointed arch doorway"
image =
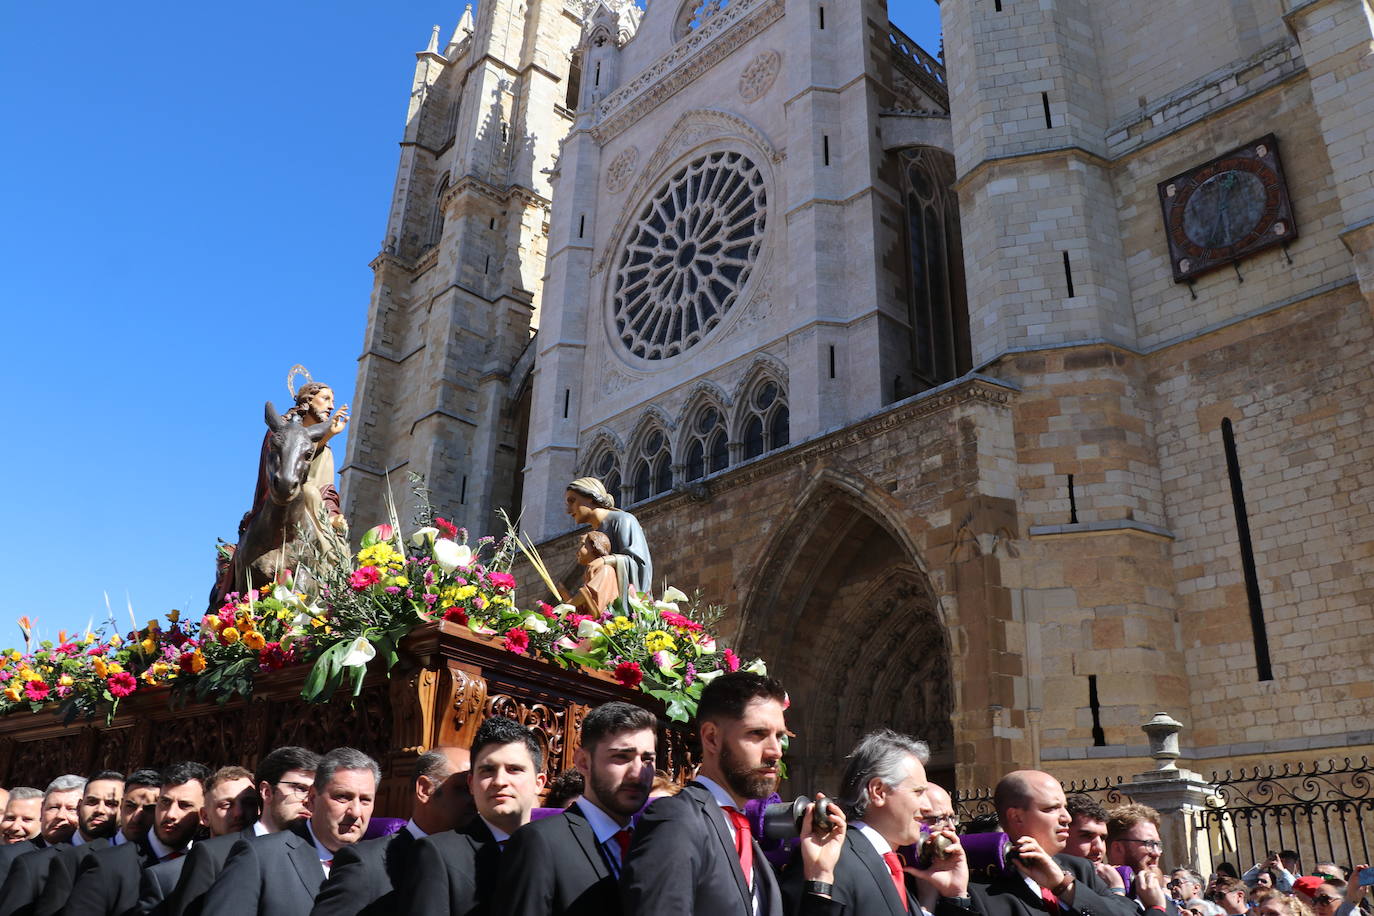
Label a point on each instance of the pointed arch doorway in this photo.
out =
(848, 621)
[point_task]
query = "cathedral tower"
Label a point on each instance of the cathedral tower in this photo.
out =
(442, 380)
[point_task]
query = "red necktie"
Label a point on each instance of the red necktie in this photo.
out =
(171, 855)
(622, 839)
(744, 844)
(894, 865)
(1051, 901)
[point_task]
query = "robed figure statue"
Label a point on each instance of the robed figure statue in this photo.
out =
(295, 522)
(590, 503)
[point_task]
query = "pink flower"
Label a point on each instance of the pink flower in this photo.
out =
(731, 660)
(517, 641)
(677, 620)
(36, 691)
(121, 684)
(547, 610)
(446, 528)
(502, 580)
(364, 577)
(628, 673)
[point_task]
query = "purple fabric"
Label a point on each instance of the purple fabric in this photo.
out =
(987, 852)
(383, 826)
(538, 814)
(777, 852)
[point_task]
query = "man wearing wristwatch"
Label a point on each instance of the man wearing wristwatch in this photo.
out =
(883, 795)
(1031, 809)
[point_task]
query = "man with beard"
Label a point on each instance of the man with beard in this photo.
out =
(693, 852)
(283, 782)
(1133, 840)
(569, 864)
(280, 874)
(1031, 809)
(455, 871)
(38, 883)
(373, 877)
(230, 805)
(108, 882)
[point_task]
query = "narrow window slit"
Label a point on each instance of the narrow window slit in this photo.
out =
(581, 225)
(1263, 667)
(1073, 503)
(1068, 274)
(1045, 101)
(832, 360)
(567, 400)
(1099, 736)
(825, 149)
(463, 492)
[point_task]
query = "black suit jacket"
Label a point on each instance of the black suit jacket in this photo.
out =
(62, 876)
(555, 866)
(455, 872)
(159, 880)
(274, 875)
(370, 877)
(11, 851)
(863, 885)
(107, 882)
(26, 880)
(1009, 895)
(199, 871)
(682, 860)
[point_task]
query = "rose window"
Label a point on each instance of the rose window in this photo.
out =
(689, 255)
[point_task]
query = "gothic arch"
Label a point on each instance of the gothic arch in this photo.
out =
(846, 615)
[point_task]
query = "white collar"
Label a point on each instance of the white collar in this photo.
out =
(260, 829)
(320, 849)
(415, 830)
(881, 846)
(603, 827)
(718, 793)
(496, 832)
(160, 849)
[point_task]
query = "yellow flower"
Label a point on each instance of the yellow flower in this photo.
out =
(658, 641)
(230, 635)
(317, 621)
(148, 677)
(160, 668)
(14, 692)
(66, 680)
(380, 555)
(101, 669)
(16, 654)
(116, 641)
(197, 662)
(453, 594)
(115, 667)
(619, 625)
(254, 640)
(148, 645)
(400, 581)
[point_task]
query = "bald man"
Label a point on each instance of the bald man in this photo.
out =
(1031, 809)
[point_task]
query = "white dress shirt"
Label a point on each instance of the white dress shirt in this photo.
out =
(604, 829)
(725, 801)
(326, 857)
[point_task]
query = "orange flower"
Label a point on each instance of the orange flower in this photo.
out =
(254, 640)
(229, 635)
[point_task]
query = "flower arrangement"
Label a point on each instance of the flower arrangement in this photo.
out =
(352, 614)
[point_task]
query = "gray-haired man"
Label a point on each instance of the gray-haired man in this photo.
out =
(279, 874)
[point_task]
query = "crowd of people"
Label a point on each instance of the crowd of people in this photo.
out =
(616, 836)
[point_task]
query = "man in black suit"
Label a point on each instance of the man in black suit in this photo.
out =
(108, 882)
(283, 782)
(60, 820)
(455, 871)
(693, 853)
(20, 826)
(1031, 809)
(884, 797)
(569, 864)
(373, 877)
(279, 874)
(230, 806)
(97, 821)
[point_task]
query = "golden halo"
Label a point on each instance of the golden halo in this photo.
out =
(296, 370)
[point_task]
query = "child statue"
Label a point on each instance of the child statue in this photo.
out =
(600, 581)
(589, 503)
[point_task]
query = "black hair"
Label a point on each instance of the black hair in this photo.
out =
(1088, 807)
(614, 718)
(144, 778)
(106, 775)
(276, 764)
(501, 730)
(980, 823)
(728, 695)
(178, 774)
(563, 788)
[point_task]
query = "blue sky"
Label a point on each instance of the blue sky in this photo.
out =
(192, 195)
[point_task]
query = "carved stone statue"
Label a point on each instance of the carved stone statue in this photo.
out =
(589, 503)
(295, 493)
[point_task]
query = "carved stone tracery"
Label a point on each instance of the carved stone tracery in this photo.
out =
(757, 78)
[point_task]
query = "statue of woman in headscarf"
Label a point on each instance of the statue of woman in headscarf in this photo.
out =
(590, 503)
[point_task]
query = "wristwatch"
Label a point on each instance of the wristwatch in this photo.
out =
(818, 887)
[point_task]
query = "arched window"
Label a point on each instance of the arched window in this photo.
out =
(573, 100)
(606, 467)
(436, 220)
(653, 467)
(708, 450)
(767, 424)
(694, 14)
(937, 300)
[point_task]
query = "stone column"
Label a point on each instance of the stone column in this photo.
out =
(1177, 794)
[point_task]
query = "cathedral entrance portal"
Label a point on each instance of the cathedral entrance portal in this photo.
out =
(851, 626)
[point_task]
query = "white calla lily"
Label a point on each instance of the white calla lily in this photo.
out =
(535, 623)
(287, 597)
(707, 677)
(673, 594)
(706, 646)
(757, 667)
(588, 628)
(668, 606)
(359, 654)
(563, 610)
(424, 536)
(449, 555)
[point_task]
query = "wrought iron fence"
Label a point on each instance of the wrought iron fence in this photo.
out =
(1323, 811)
(971, 803)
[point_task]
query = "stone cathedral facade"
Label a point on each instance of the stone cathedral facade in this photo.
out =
(1005, 399)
